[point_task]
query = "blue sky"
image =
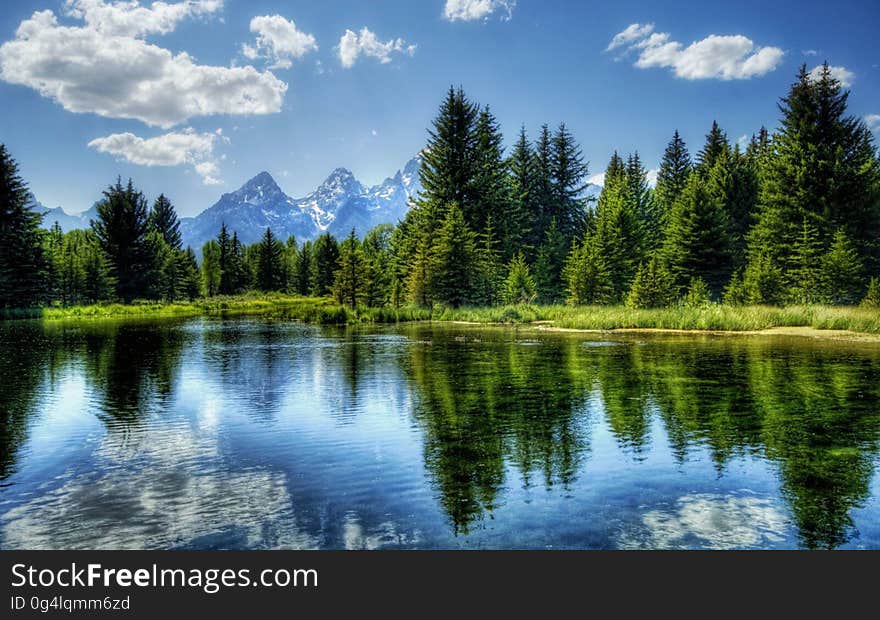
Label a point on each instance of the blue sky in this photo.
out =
(194, 97)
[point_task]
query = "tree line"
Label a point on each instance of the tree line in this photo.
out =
(791, 218)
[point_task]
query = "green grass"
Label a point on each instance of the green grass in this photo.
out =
(325, 311)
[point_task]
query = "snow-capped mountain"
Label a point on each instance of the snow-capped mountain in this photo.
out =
(65, 220)
(339, 204)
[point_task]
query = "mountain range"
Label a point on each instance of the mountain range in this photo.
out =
(339, 204)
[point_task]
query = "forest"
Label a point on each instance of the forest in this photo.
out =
(793, 218)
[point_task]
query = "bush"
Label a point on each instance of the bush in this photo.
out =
(653, 287)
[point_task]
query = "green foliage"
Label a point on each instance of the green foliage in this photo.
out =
(823, 166)
(549, 264)
(519, 288)
(325, 262)
(872, 297)
(842, 271)
(697, 241)
(653, 287)
(455, 269)
(698, 294)
(122, 228)
(349, 284)
(675, 169)
(587, 276)
(270, 274)
(808, 279)
(163, 219)
(23, 264)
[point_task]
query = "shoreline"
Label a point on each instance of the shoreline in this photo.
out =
(817, 322)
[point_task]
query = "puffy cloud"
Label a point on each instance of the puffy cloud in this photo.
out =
(279, 41)
(106, 70)
(724, 57)
(470, 10)
(873, 122)
(352, 45)
(841, 74)
(171, 149)
(128, 18)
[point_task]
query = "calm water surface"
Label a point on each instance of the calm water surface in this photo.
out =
(249, 433)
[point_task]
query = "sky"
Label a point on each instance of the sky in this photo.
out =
(194, 97)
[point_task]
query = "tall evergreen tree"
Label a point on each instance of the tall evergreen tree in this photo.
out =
(697, 239)
(325, 262)
(808, 284)
(824, 166)
(211, 271)
(163, 218)
(121, 228)
(349, 283)
(568, 175)
(302, 275)
(456, 264)
(675, 168)
(549, 265)
(716, 144)
(489, 196)
(23, 263)
(519, 288)
(524, 208)
(270, 275)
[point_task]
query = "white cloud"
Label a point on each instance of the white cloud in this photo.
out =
(810, 53)
(279, 41)
(724, 57)
(470, 10)
(633, 32)
(171, 149)
(106, 69)
(597, 179)
(873, 122)
(128, 18)
(652, 176)
(365, 43)
(841, 74)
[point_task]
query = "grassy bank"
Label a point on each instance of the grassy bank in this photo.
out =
(326, 312)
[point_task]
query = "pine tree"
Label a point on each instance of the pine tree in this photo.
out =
(568, 172)
(163, 219)
(121, 228)
(716, 144)
(189, 267)
(808, 284)
(489, 196)
(325, 262)
(519, 288)
(652, 287)
(675, 168)
(270, 264)
(762, 282)
(449, 161)
(698, 294)
(872, 297)
(543, 188)
(824, 166)
(455, 269)
(641, 202)
(23, 264)
(211, 270)
(225, 262)
(524, 209)
(239, 275)
(348, 285)
(587, 277)
(302, 275)
(378, 267)
(843, 271)
(549, 266)
(697, 241)
(617, 234)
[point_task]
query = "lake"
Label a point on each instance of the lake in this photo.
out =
(245, 433)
